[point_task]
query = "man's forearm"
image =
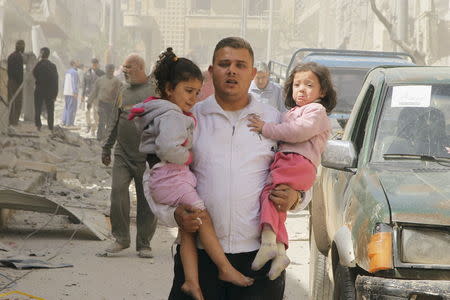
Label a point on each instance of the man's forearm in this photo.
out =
(112, 134)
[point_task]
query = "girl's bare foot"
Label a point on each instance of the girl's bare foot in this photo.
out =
(193, 290)
(235, 277)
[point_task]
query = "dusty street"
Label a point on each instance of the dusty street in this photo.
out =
(124, 276)
(82, 182)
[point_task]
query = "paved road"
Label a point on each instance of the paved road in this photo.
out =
(124, 276)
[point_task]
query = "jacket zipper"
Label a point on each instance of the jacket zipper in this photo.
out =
(231, 179)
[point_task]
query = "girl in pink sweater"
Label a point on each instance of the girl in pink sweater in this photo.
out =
(303, 134)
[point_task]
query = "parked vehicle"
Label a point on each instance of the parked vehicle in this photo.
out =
(348, 69)
(380, 214)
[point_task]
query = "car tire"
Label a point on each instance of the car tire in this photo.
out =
(318, 220)
(344, 283)
(320, 285)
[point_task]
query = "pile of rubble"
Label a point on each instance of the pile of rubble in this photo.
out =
(56, 172)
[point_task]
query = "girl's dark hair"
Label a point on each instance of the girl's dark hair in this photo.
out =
(326, 85)
(171, 70)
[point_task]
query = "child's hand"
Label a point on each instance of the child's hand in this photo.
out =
(255, 123)
(188, 217)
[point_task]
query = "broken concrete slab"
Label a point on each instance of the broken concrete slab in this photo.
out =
(36, 166)
(7, 161)
(94, 220)
(30, 263)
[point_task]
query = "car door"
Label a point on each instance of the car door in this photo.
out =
(337, 182)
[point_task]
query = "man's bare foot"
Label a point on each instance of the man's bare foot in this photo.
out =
(193, 290)
(235, 277)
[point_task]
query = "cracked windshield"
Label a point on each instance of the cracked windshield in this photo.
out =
(218, 150)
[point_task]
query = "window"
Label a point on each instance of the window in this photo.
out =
(258, 7)
(160, 3)
(201, 5)
(360, 124)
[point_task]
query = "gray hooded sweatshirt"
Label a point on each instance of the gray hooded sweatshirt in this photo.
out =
(166, 130)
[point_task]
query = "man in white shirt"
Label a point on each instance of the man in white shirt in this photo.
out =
(268, 91)
(231, 164)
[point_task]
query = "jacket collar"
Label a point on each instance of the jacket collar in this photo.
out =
(210, 106)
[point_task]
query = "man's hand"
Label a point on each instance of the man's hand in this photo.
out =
(283, 197)
(255, 123)
(188, 218)
(106, 159)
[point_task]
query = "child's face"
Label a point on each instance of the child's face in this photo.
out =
(185, 93)
(306, 88)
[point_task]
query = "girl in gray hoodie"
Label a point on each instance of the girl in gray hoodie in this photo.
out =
(167, 127)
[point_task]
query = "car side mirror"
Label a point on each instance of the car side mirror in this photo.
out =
(340, 155)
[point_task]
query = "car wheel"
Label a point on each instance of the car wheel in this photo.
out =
(344, 283)
(320, 286)
(318, 221)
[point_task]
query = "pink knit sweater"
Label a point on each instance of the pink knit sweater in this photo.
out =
(303, 130)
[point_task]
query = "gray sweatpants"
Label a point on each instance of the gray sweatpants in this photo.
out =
(122, 172)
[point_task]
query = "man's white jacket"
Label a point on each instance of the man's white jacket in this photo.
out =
(231, 164)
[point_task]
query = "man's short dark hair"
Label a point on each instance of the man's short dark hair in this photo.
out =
(233, 42)
(20, 45)
(45, 52)
(109, 67)
(94, 61)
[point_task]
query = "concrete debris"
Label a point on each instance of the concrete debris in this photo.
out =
(94, 220)
(30, 263)
(56, 172)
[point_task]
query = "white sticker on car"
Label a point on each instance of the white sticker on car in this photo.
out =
(411, 96)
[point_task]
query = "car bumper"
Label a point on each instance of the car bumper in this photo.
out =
(387, 288)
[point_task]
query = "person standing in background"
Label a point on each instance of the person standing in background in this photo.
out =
(207, 87)
(268, 91)
(46, 89)
(70, 95)
(103, 95)
(129, 163)
(90, 77)
(15, 79)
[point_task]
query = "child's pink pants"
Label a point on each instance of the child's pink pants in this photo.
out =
(173, 184)
(291, 169)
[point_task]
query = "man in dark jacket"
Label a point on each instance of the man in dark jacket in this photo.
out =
(15, 79)
(90, 77)
(46, 90)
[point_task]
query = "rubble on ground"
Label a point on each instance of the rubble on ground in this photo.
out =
(61, 166)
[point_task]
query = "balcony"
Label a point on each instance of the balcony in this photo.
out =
(139, 21)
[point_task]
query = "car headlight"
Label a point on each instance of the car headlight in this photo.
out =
(425, 246)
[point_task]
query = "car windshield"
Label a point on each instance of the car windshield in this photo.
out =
(415, 121)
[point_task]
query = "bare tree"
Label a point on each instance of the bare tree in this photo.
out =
(420, 57)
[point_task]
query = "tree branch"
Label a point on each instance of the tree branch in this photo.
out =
(418, 56)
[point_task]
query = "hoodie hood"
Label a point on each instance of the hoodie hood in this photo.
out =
(148, 110)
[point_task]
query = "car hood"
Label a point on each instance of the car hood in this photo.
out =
(420, 196)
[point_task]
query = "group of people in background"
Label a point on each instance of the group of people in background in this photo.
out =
(94, 91)
(80, 90)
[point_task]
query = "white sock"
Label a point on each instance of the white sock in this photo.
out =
(280, 262)
(268, 248)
